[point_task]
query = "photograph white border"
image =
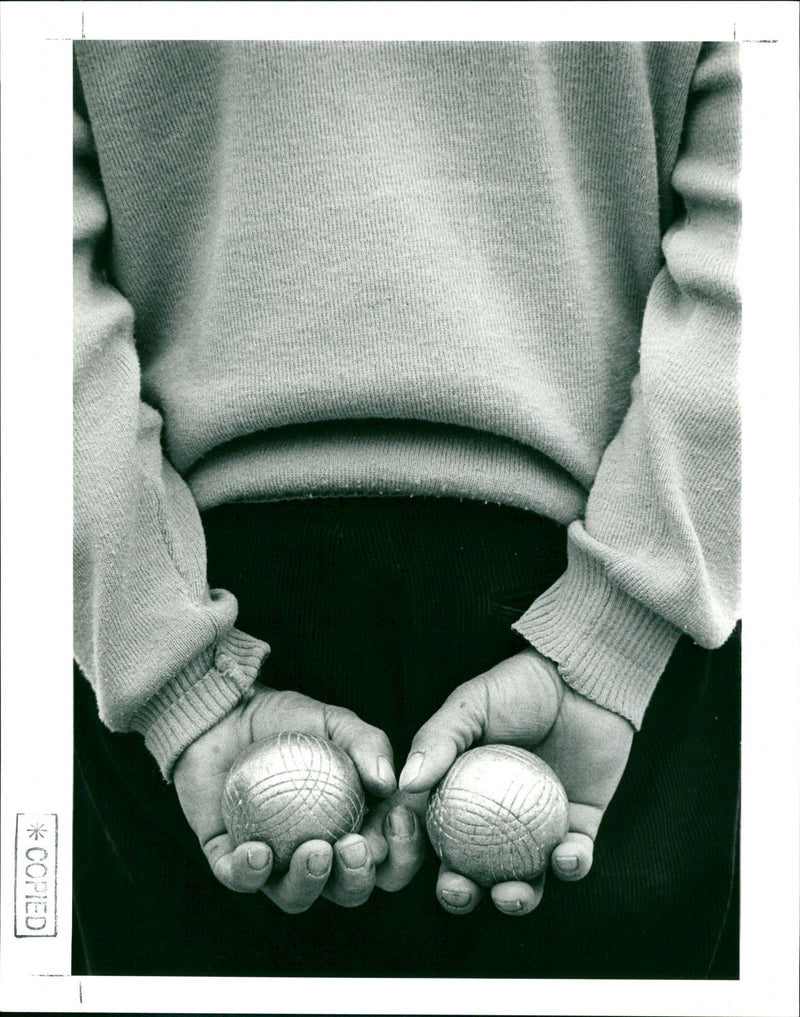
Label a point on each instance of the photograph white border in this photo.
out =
(37, 509)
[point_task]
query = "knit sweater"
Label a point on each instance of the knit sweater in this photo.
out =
(490, 271)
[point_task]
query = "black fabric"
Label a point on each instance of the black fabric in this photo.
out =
(384, 605)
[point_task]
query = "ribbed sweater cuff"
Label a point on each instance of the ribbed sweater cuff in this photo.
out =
(203, 693)
(608, 646)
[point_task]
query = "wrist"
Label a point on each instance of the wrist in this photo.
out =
(194, 700)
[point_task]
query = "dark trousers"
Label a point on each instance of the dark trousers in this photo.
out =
(384, 606)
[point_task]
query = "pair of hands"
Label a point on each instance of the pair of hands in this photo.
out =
(522, 701)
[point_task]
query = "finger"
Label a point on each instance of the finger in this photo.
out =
(373, 833)
(456, 893)
(515, 898)
(375, 829)
(573, 857)
(367, 746)
(249, 867)
(453, 728)
(309, 870)
(352, 878)
(585, 819)
(406, 849)
(244, 869)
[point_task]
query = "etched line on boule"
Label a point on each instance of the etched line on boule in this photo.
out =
(313, 766)
(291, 788)
(497, 814)
(470, 806)
(286, 785)
(339, 816)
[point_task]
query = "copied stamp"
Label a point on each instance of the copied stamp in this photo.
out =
(35, 864)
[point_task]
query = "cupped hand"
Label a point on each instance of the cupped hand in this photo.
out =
(524, 701)
(386, 853)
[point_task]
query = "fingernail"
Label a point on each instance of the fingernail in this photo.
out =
(386, 772)
(510, 905)
(412, 769)
(354, 855)
(402, 822)
(567, 863)
(455, 898)
(318, 864)
(258, 856)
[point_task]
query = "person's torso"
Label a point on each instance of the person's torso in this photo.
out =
(428, 234)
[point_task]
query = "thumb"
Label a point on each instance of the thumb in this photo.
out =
(459, 722)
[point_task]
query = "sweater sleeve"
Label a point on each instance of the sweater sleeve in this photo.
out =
(159, 648)
(657, 551)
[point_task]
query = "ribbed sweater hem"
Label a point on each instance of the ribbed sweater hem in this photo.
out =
(204, 692)
(385, 458)
(608, 646)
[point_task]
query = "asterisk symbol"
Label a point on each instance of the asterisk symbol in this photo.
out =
(36, 831)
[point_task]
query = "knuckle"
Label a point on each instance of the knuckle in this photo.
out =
(352, 893)
(377, 737)
(399, 874)
(535, 669)
(465, 707)
(345, 714)
(214, 850)
(341, 719)
(227, 881)
(218, 868)
(233, 881)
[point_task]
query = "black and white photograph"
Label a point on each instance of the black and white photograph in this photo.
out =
(400, 515)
